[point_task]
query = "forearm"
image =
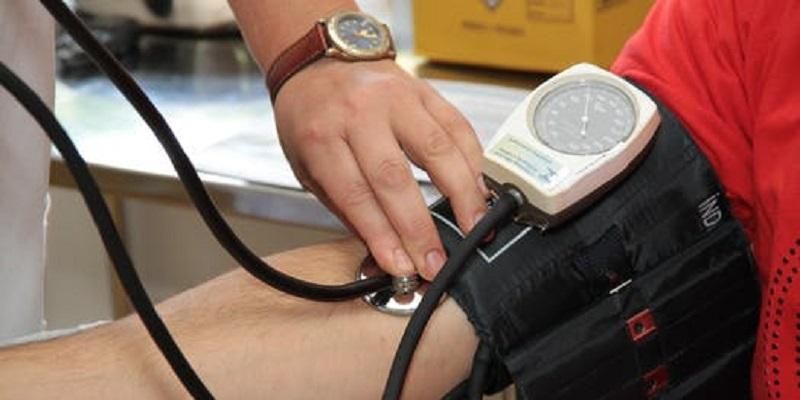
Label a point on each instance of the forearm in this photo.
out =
(271, 26)
(248, 341)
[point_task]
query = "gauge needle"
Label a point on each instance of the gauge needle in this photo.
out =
(585, 117)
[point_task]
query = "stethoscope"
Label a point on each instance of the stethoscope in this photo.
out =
(381, 290)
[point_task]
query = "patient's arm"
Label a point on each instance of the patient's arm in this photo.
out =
(246, 340)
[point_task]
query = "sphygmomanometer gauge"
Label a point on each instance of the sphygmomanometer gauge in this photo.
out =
(569, 141)
(588, 116)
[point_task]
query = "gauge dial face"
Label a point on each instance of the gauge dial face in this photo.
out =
(584, 117)
(360, 33)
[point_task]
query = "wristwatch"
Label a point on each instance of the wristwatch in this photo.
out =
(346, 35)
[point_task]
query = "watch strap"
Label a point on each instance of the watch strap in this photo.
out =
(311, 47)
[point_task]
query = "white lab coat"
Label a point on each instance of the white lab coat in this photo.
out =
(27, 47)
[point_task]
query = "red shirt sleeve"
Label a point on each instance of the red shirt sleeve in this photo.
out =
(729, 69)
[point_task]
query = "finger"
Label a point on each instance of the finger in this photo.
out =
(460, 130)
(388, 173)
(326, 201)
(309, 184)
(342, 187)
(449, 170)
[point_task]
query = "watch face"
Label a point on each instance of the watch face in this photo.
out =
(358, 34)
(583, 117)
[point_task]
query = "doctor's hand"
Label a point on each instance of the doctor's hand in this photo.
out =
(346, 128)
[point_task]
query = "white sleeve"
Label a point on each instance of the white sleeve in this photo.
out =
(27, 47)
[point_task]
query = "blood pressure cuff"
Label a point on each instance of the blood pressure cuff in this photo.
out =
(650, 293)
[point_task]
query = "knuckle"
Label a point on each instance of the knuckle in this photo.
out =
(315, 133)
(419, 227)
(392, 173)
(452, 122)
(437, 143)
(357, 100)
(356, 194)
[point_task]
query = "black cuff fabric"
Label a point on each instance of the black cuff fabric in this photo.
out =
(651, 292)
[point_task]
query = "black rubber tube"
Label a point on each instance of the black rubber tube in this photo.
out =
(480, 367)
(190, 179)
(505, 205)
(108, 232)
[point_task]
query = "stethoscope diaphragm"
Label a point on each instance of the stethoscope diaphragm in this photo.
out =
(402, 298)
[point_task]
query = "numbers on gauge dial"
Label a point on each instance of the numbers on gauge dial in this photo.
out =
(584, 117)
(360, 33)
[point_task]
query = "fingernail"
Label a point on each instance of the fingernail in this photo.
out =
(482, 186)
(435, 261)
(403, 263)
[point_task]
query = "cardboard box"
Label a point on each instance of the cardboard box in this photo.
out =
(533, 35)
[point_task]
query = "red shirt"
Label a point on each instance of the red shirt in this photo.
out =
(731, 71)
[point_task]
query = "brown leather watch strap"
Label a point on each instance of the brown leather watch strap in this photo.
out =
(309, 48)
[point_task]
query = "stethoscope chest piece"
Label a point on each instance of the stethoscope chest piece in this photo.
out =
(402, 298)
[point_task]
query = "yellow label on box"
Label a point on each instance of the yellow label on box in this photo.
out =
(551, 10)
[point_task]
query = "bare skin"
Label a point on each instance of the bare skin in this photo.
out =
(246, 340)
(346, 129)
